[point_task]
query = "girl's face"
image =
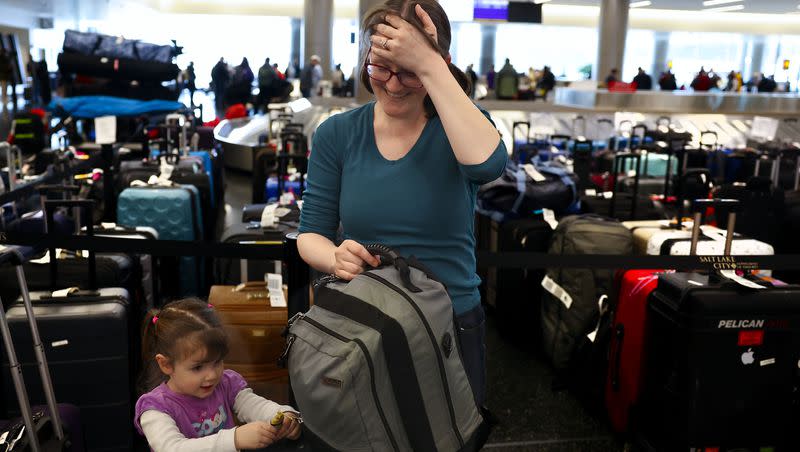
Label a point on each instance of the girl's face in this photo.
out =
(194, 375)
(395, 98)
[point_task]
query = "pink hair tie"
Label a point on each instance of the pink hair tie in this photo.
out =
(155, 319)
(211, 306)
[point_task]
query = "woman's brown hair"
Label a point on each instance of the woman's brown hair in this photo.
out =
(406, 10)
(175, 331)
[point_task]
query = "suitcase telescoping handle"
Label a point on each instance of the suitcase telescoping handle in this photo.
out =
(17, 256)
(619, 166)
(700, 205)
(638, 131)
(519, 124)
(87, 208)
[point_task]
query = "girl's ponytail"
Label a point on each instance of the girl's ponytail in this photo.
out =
(151, 375)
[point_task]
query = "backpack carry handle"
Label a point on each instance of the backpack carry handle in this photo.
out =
(388, 256)
(700, 205)
(663, 121)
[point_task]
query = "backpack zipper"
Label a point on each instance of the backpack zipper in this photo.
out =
(292, 337)
(435, 344)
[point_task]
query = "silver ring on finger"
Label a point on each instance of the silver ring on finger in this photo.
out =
(385, 43)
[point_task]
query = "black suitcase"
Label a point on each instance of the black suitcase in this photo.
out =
(514, 294)
(722, 362)
(87, 336)
(54, 427)
(231, 271)
(626, 206)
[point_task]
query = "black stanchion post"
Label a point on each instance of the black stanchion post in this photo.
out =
(298, 275)
(110, 208)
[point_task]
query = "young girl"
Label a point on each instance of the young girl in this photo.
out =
(192, 400)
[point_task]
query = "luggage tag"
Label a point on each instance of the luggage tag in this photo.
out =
(275, 287)
(550, 217)
(557, 291)
(531, 171)
(268, 218)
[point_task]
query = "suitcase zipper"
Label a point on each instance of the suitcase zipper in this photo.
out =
(435, 344)
(363, 347)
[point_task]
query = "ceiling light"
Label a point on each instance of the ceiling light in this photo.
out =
(719, 2)
(641, 4)
(723, 9)
(542, 1)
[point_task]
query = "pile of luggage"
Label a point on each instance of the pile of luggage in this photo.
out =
(98, 64)
(677, 359)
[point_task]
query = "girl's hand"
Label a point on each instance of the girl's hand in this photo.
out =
(403, 44)
(254, 435)
(350, 258)
(291, 427)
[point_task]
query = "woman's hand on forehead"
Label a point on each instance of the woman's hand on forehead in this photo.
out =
(401, 43)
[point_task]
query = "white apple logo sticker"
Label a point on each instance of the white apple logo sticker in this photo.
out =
(747, 357)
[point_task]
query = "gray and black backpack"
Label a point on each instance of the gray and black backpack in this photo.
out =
(375, 364)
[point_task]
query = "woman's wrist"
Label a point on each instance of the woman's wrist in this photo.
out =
(432, 68)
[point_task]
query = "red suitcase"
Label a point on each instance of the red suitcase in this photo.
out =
(627, 349)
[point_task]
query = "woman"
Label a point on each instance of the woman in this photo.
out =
(404, 170)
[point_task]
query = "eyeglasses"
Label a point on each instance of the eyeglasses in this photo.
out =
(384, 74)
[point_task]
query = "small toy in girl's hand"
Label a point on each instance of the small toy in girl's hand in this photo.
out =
(277, 420)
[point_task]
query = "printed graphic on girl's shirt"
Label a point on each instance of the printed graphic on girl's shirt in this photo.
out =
(213, 425)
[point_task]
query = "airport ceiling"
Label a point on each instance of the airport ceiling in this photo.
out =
(750, 6)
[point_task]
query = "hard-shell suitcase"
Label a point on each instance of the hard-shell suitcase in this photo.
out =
(175, 213)
(54, 427)
(254, 331)
(722, 360)
(627, 345)
(71, 324)
(235, 271)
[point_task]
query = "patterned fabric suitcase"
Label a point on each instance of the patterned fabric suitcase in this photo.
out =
(175, 213)
(254, 330)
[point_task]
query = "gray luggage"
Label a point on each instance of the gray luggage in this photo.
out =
(375, 364)
(575, 298)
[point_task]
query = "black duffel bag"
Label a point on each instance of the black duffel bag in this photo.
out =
(517, 194)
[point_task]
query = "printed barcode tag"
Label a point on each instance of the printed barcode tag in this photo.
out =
(557, 291)
(276, 299)
(59, 343)
(530, 170)
(767, 362)
(550, 218)
(274, 281)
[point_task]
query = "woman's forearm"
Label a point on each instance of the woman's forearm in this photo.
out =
(317, 251)
(471, 135)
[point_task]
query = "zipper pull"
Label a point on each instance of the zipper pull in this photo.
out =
(291, 321)
(284, 358)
